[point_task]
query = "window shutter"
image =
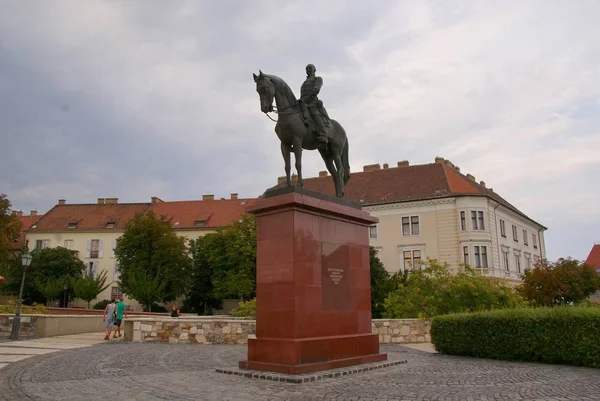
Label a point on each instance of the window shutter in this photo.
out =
(101, 250)
(95, 269)
(116, 274)
(112, 247)
(88, 247)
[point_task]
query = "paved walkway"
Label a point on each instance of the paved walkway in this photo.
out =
(145, 371)
(14, 351)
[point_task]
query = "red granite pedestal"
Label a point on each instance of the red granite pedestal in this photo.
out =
(313, 296)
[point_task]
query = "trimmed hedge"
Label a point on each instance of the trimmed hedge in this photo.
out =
(564, 335)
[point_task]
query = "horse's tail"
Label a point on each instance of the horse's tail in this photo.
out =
(345, 162)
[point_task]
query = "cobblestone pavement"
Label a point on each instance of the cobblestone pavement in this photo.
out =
(144, 371)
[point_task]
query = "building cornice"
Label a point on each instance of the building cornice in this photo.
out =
(409, 204)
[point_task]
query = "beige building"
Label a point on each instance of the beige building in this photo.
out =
(92, 229)
(434, 211)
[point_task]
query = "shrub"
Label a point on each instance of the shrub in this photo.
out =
(11, 306)
(245, 309)
(101, 304)
(566, 335)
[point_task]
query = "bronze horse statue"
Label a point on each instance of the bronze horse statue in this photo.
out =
(295, 135)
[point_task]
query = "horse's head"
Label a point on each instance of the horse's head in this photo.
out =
(266, 90)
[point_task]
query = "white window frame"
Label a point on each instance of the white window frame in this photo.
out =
(534, 240)
(466, 255)
(506, 258)
(462, 220)
(479, 221)
(376, 227)
(528, 263)
(92, 268)
(410, 225)
(518, 266)
(525, 239)
(100, 249)
(515, 233)
(68, 243)
(117, 273)
(503, 228)
(480, 249)
(410, 248)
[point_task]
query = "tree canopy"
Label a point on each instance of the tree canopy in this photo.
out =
(88, 287)
(149, 251)
(380, 284)
(562, 282)
(10, 229)
(435, 290)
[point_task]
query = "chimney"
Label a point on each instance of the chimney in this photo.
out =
(32, 213)
(208, 197)
(101, 201)
(403, 163)
(280, 180)
(111, 201)
(439, 160)
(470, 177)
(386, 166)
(62, 201)
(294, 179)
(20, 213)
(156, 199)
(449, 163)
(371, 167)
(234, 196)
(457, 169)
(322, 173)
(482, 183)
(492, 189)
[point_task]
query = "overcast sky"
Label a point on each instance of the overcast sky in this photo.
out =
(133, 99)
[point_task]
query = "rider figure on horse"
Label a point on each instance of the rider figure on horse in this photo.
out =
(308, 100)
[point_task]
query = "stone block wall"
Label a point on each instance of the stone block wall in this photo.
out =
(27, 327)
(204, 330)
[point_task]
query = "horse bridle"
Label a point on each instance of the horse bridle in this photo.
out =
(282, 110)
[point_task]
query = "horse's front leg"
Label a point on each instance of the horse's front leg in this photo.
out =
(286, 152)
(298, 157)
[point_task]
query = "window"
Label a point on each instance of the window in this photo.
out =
(42, 244)
(115, 292)
(117, 272)
(515, 237)
(527, 261)
(72, 224)
(505, 259)
(480, 253)
(95, 248)
(534, 240)
(200, 223)
(411, 258)
(466, 255)
(69, 243)
(378, 251)
(410, 225)
(502, 228)
(463, 221)
(525, 240)
(518, 262)
(477, 220)
(92, 269)
(111, 224)
(373, 231)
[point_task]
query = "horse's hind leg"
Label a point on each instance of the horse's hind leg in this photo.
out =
(339, 182)
(286, 152)
(330, 167)
(298, 157)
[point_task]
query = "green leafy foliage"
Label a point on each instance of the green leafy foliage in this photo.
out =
(153, 260)
(228, 257)
(11, 306)
(101, 304)
(50, 264)
(201, 297)
(380, 284)
(435, 290)
(10, 229)
(562, 282)
(88, 287)
(565, 335)
(245, 309)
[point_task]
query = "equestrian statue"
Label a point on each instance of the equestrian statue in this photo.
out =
(304, 124)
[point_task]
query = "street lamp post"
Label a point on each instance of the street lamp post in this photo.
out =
(66, 287)
(16, 326)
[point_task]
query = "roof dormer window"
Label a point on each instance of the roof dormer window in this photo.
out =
(111, 224)
(72, 225)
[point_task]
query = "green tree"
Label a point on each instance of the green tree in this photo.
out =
(10, 229)
(231, 254)
(380, 284)
(435, 290)
(88, 287)
(51, 288)
(149, 251)
(562, 282)
(46, 264)
(201, 296)
(146, 287)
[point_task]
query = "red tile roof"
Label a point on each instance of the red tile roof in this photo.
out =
(26, 222)
(593, 258)
(92, 217)
(208, 213)
(405, 184)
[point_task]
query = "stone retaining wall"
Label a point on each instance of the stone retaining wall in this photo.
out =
(26, 328)
(204, 330)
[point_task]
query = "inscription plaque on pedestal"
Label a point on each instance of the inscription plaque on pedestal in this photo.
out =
(335, 280)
